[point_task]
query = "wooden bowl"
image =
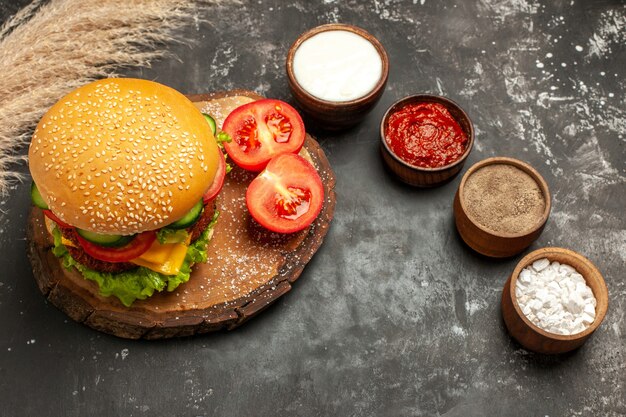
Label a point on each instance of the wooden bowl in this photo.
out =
(336, 115)
(416, 175)
(488, 242)
(532, 337)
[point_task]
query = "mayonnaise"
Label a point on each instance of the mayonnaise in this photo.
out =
(337, 65)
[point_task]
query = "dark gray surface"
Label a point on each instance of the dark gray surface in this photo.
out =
(395, 315)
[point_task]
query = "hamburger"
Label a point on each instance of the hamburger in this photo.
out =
(126, 172)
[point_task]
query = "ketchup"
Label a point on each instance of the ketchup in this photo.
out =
(425, 135)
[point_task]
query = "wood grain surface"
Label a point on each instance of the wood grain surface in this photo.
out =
(248, 267)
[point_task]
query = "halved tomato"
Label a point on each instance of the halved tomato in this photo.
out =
(135, 248)
(218, 181)
(287, 196)
(261, 130)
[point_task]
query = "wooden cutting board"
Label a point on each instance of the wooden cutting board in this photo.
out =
(248, 267)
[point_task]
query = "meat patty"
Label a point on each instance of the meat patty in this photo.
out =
(205, 219)
(113, 267)
(96, 264)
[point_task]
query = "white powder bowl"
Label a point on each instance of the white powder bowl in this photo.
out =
(529, 335)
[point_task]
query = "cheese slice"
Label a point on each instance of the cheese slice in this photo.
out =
(163, 258)
(166, 259)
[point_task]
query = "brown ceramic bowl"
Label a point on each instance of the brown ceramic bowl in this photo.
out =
(416, 175)
(336, 115)
(532, 337)
(488, 242)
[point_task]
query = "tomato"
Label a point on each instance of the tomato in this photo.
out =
(218, 181)
(49, 214)
(261, 130)
(287, 196)
(135, 248)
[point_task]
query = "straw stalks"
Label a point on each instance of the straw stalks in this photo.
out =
(49, 48)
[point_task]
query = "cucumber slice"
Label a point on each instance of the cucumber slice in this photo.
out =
(211, 122)
(103, 239)
(36, 197)
(190, 218)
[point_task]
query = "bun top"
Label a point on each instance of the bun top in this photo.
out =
(122, 156)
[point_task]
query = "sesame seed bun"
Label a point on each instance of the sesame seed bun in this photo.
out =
(122, 156)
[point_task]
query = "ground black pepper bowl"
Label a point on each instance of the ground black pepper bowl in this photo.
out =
(488, 242)
(416, 175)
(528, 334)
(336, 115)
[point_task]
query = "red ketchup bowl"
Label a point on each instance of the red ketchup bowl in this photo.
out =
(425, 139)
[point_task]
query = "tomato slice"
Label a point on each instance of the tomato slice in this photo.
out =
(218, 181)
(135, 248)
(49, 214)
(287, 196)
(261, 130)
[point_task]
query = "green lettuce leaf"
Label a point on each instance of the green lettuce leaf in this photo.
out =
(166, 235)
(222, 137)
(140, 283)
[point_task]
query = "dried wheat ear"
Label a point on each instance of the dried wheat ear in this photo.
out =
(49, 48)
